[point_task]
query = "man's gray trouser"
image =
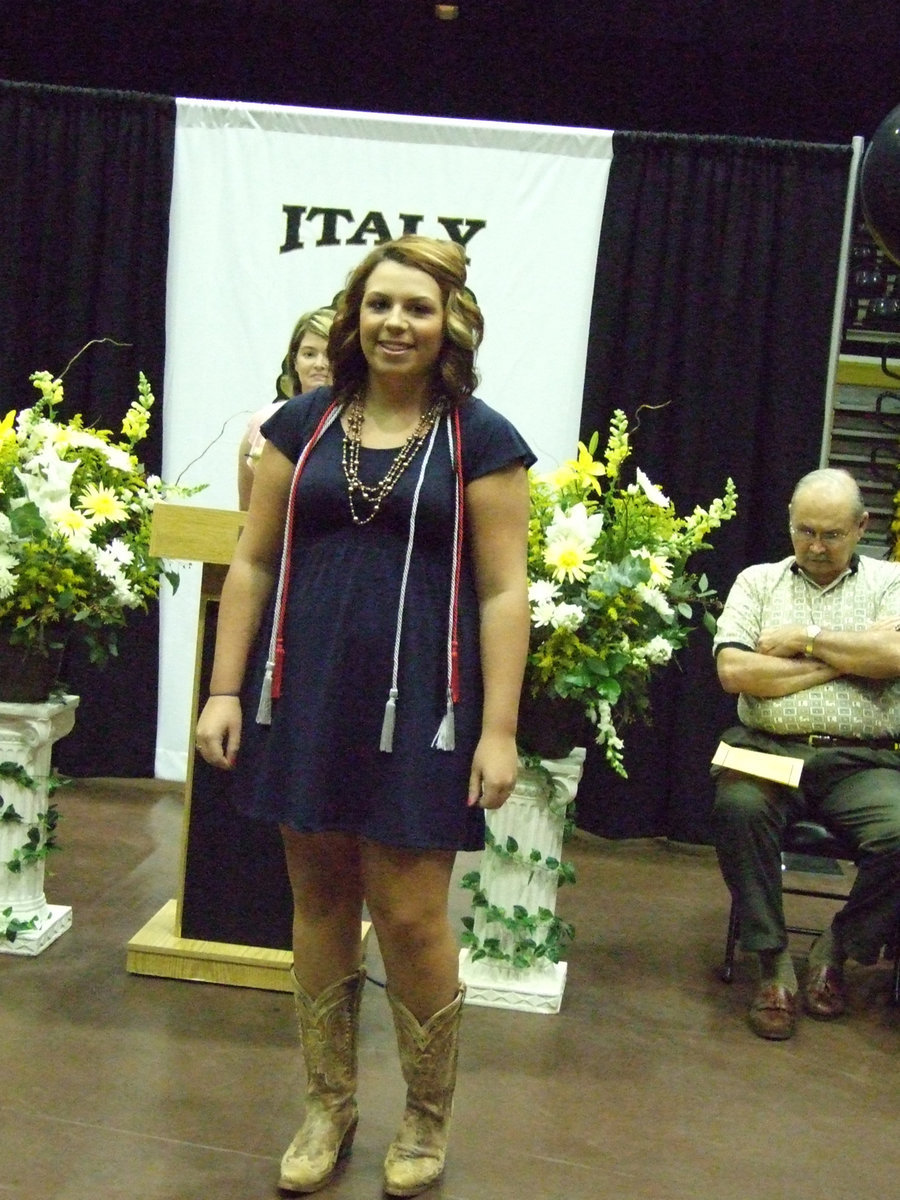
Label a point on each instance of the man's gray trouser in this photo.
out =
(855, 793)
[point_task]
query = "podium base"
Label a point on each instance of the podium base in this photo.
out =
(536, 990)
(156, 950)
(54, 921)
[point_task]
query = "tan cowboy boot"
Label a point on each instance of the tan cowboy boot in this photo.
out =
(329, 1028)
(428, 1056)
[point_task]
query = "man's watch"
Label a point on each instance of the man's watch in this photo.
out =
(812, 632)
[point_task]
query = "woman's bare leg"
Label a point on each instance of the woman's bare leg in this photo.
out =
(326, 882)
(407, 891)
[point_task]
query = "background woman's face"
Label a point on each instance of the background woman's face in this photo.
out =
(311, 362)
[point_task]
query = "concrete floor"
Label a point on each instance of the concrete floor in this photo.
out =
(647, 1085)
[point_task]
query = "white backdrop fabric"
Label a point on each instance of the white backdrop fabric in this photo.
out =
(273, 206)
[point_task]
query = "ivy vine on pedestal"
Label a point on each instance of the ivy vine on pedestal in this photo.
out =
(40, 838)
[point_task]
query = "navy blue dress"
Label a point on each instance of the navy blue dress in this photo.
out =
(318, 766)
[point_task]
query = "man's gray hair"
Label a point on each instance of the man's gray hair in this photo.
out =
(835, 478)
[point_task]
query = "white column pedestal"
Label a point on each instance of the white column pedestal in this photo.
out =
(534, 816)
(27, 734)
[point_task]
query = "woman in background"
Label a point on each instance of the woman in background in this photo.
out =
(305, 367)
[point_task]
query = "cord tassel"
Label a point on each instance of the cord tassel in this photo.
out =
(271, 685)
(264, 709)
(277, 669)
(445, 738)
(387, 725)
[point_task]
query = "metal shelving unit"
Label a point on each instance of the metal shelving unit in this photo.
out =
(865, 412)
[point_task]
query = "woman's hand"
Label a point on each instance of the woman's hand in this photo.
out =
(494, 770)
(219, 731)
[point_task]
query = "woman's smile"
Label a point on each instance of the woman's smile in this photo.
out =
(401, 320)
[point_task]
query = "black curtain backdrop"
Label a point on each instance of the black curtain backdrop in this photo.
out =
(714, 293)
(710, 328)
(85, 189)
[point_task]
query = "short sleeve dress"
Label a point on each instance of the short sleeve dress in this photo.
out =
(318, 765)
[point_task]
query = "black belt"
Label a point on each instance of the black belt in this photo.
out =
(826, 740)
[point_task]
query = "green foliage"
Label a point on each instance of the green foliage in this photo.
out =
(17, 774)
(14, 926)
(534, 861)
(534, 937)
(611, 590)
(40, 842)
(75, 512)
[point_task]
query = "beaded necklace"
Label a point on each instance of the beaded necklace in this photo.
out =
(374, 495)
(445, 738)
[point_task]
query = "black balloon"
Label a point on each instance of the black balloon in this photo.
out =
(879, 185)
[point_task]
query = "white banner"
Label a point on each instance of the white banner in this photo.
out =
(273, 206)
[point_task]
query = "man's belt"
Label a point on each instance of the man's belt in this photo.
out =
(825, 741)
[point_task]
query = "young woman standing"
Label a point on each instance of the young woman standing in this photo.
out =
(383, 567)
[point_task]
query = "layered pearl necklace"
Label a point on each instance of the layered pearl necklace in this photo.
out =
(427, 429)
(373, 495)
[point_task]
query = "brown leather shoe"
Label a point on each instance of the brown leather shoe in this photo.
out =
(823, 993)
(773, 1013)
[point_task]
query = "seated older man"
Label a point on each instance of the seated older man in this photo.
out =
(811, 647)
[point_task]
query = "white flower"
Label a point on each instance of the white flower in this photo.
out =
(567, 616)
(7, 583)
(542, 613)
(654, 598)
(657, 651)
(575, 525)
(570, 536)
(651, 491)
(110, 559)
(117, 458)
(106, 563)
(120, 551)
(65, 437)
(124, 593)
(606, 730)
(558, 616)
(47, 482)
(542, 591)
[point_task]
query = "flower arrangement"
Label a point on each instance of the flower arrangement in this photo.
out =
(75, 510)
(611, 596)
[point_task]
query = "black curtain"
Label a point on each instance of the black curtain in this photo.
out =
(710, 328)
(85, 189)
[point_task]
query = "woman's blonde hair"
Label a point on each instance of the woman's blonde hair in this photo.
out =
(445, 262)
(318, 322)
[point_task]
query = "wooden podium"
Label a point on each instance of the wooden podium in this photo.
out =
(231, 922)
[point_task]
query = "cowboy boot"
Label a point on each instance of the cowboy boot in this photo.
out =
(329, 1027)
(428, 1056)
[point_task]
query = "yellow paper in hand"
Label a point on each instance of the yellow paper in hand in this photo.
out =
(776, 767)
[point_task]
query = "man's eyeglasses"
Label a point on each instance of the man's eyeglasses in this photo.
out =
(831, 537)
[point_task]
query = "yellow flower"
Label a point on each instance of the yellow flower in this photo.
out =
(70, 520)
(136, 423)
(560, 478)
(587, 468)
(6, 426)
(568, 558)
(660, 569)
(102, 503)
